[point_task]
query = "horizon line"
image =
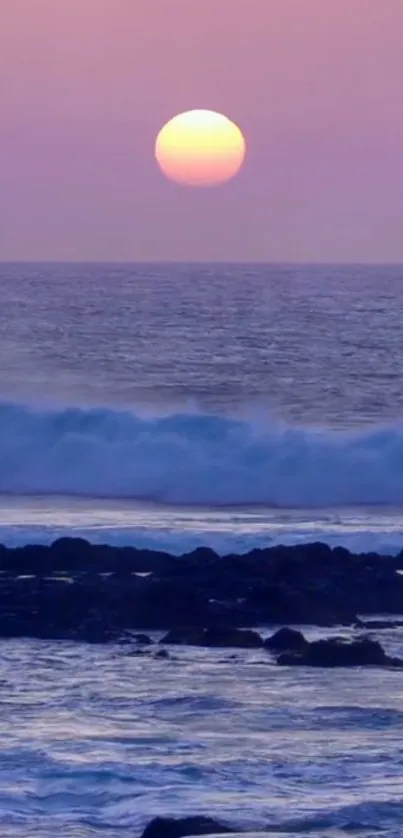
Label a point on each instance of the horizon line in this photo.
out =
(240, 262)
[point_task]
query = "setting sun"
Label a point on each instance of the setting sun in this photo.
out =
(200, 148)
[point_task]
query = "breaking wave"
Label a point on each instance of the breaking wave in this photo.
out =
(194, 458)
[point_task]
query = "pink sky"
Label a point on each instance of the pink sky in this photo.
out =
(316, 86)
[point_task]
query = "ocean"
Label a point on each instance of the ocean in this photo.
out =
(173, 406)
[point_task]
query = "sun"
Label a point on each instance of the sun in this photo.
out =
(200, 148)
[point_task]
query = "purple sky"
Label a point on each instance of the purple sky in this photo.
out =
(315, 85)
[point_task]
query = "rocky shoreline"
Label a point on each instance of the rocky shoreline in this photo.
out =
(73, 589)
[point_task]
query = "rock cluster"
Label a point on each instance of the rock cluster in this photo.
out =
(290, 647)
(76, 590)
(338, 651)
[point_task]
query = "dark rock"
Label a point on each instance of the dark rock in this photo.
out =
(80, 591)
(96, 631)
(182, 827)
(217, 637)
(336, 651)
(232, 638)
(376, 625)
(293, 602)
(170, 602)
(142, 639)
(184, 637)
(286, 640)
(161, 653)
(71, 545)
(201, 555)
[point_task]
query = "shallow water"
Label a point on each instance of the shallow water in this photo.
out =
(177, 530)
(96, 741)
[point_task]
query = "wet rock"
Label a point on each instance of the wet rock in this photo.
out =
(161, 653)
(184, 637)
(232, 638)
(142, 639)
(293, 602)
(170, 602)
(77, 590)
(71, 546)
(336, 651)
(375, 625)
(214, 637)
(95, 631)
(286, 640)
(183, 827)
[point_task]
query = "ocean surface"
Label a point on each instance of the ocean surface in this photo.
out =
(171, 406)
(95, 742)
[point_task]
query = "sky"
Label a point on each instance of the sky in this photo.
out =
(315, 85)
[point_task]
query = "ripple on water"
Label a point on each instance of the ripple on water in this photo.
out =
(96, 742)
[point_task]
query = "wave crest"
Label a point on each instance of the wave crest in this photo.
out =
(196, 459)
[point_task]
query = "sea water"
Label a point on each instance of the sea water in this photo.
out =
(176, 405)
(171, 406)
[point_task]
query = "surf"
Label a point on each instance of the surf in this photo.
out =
(196, 458)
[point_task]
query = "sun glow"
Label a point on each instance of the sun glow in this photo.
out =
(200, 148)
